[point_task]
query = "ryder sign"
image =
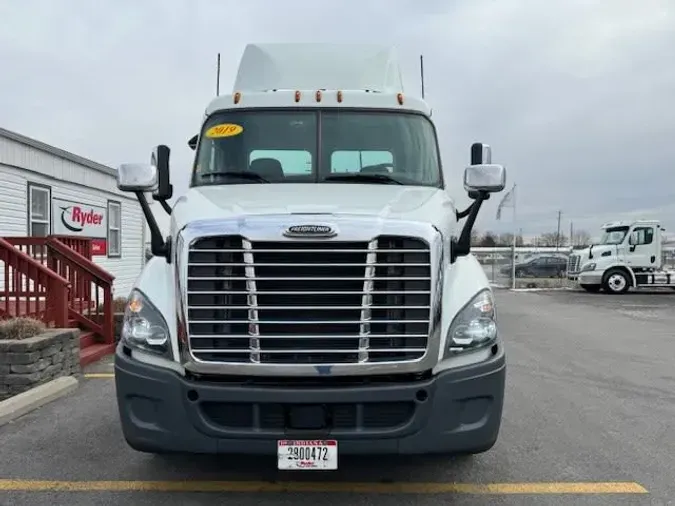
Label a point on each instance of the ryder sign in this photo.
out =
(81, 220)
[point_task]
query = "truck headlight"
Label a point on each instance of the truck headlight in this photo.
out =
(475, 325)
(144, 326)
(588, 267)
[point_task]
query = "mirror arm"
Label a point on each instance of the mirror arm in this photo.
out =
(166, 206)
(462, 246)
(475, 195)
(463, 214)
(157, 245)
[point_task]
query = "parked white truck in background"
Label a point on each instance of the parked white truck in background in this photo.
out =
(313, 293)
(629, 254)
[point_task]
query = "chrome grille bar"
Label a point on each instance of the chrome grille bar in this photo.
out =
(312, 264)
(302, 250)
(312, 292)
(327, 278)
(252, 298)
(366, 303)
(296, 336)
(317, 351)
(302, 322)
(308, 307)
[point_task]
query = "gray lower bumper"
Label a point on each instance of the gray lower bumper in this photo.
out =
(590, 278)
(454, 412)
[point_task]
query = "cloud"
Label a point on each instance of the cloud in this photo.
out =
(574, 96)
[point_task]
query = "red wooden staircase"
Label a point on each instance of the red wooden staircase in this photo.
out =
(55, 280)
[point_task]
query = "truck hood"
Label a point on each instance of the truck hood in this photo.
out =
(381, 201)
(598, 250)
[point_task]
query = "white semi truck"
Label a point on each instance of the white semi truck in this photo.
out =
(315, 294)
(629, 254)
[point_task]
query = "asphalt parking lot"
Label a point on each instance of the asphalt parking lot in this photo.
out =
(588, 420)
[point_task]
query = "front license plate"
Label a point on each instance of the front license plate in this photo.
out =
(307, 455)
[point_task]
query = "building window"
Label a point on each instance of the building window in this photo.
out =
(114, 229)
(39, 209)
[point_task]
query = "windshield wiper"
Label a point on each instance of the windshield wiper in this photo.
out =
(237, 173)
(369, 178)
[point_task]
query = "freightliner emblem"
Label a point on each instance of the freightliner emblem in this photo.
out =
(310, 231)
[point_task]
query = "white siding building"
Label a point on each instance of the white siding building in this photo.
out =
(45, 190)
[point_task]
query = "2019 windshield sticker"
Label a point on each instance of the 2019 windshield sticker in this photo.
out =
(224, 130)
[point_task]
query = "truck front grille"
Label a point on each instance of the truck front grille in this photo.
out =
(573, 263)
(302, 302)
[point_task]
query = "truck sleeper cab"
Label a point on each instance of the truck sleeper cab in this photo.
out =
(313, 296)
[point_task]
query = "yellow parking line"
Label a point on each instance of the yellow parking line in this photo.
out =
(372, 488)
(99, 375)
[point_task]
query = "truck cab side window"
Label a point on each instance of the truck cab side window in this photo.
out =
(642, 236)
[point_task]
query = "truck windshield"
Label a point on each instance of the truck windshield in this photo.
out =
(614, 235)
(310, 146)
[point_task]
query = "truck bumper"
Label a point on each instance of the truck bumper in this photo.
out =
(456, 411)
(590, 278)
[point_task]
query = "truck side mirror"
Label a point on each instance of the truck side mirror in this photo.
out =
(489, 178)
(160, 159)
(633, 240)
(141, 178)
(480, 154)
(193, 142)
(481, 178)
(137, 177)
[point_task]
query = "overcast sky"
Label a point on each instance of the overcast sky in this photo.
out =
(576, 97)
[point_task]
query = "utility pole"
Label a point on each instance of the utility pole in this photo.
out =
(557, 234)
(571, 234)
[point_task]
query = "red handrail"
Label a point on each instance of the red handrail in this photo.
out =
(47, 284)
(70, 257)
(36, 246)
(86, 263)
(83, 245)
(84, 274)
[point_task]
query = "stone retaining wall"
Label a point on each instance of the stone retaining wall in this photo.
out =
(27, 363)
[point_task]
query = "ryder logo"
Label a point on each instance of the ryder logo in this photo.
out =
(74, 218)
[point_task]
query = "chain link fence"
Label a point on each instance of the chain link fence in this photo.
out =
(525, 267)
(537, 267)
